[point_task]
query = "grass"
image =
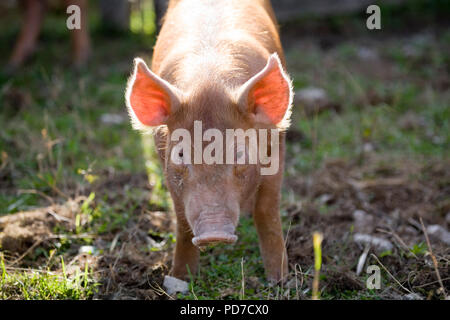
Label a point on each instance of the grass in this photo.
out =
(45, 284)
(54, 146)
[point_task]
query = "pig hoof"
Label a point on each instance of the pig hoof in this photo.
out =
(214, 237)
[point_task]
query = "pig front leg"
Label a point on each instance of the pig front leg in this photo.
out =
(186, 255)
(267, 220)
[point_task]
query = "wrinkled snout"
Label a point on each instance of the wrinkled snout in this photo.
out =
(211, 228)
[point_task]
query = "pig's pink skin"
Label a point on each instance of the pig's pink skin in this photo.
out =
(207, 49)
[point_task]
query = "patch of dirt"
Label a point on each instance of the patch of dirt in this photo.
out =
(376, 199)
(136, 259)
(112, 183)
(137, 256)
(129, 262)
(15, 100)
(382, 200)
(20, 231)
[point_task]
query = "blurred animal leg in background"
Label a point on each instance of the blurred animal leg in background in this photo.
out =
(80, 37)
(34, 11)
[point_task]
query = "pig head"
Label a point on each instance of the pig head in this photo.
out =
(218, 65)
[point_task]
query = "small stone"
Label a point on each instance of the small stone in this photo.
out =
(109, 118)
(88, 250)
(439, 232)
(367, 54)
(325, 198)
(379, 244)
(310, 96)
(359, 215)
(413, 296)
(368, 147)
(313, 100)
(174, 285)
(364, 222)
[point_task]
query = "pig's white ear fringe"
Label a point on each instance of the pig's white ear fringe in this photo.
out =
(173, 93)
(272, 62)
(135, 123)
(284, 124)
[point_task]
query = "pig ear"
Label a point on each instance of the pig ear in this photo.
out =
(150, 99)
(268, 95)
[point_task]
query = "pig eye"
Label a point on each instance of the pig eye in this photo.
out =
(177, 155)
(240, 154)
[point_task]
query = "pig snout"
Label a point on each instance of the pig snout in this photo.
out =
(213, 228)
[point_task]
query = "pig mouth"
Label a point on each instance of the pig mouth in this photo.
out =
(213, 238)
(208, 232)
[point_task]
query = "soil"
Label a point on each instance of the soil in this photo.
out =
(379, 200)
(340, 199)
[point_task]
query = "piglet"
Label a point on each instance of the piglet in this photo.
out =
(218, 72)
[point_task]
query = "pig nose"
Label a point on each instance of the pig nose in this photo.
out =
(213, 230)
